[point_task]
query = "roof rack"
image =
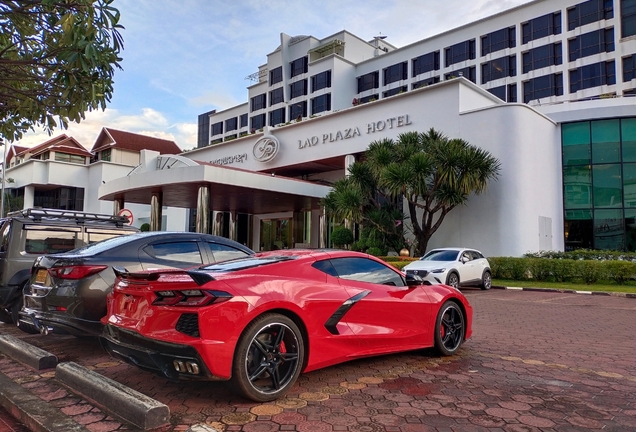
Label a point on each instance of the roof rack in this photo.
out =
(38, 213)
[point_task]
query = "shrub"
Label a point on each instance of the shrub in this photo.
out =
(358, 246)
(619, 271)
(144, 227)
(589, 270)
(341, 237)
(375, 251)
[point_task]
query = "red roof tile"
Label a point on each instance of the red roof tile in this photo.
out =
(109, 138)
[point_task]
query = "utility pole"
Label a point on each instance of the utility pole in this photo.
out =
(4, 166)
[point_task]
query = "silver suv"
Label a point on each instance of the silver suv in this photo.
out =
(28, 234)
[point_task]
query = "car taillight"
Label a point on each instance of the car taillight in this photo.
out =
(190, 298)
(75, 272)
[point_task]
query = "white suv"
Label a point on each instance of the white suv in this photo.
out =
(454, 266)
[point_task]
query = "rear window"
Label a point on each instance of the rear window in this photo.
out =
(94, 236)
(245, 263)
(48, 241)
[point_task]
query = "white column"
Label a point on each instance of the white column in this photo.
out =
(29, 196)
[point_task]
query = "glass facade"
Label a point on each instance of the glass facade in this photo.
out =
(599, 184)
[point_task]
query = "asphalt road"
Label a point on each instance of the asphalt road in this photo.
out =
(537, 362)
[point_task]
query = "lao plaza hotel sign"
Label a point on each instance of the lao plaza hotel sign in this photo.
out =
(267, 147)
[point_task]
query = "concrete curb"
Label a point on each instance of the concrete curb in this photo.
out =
(120, 400)
(26, 353)
(567, 291)
(37, 414)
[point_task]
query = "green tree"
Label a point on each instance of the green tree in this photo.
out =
(432, 173)
(57, 60)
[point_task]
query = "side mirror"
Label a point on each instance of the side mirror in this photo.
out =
(415, 280)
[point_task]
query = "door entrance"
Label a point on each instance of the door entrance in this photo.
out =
(276, 234)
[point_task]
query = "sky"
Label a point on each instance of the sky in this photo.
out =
(183, 58)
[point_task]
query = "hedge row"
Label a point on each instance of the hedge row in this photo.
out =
(562, 270)
(586, 254)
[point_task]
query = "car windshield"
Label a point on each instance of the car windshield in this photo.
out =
(244, 263)
(441, 255)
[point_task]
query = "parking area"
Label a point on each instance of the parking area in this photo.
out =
(537, 361)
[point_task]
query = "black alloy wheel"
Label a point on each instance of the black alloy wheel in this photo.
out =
(268, 359)
(449, 329)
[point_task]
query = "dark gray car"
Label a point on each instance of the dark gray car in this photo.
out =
(67, 291)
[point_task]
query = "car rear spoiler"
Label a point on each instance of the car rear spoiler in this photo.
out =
(201, 278)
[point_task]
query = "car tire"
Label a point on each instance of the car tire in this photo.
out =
(269, 357)
(449, 328)
(452, 280)
(5, 316)
(486, 281)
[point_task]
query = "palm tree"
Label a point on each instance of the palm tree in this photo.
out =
(433, 173)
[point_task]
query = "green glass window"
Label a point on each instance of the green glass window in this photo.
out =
(577, 187)
(578, 229)
(607, 185)
(608, 230)
(629, 184)
(628, 135)
(576, 143)
(606, 141)
(630, 230)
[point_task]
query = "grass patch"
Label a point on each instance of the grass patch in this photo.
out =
(628, 287)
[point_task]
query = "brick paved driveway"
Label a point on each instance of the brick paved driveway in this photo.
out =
(537, 361)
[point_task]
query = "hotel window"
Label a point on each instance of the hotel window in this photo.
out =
(591, 43)
(368, 81)
(259, 102)
(507, 93)
(277, 117)
(628, 18)
(104, 155)
(243, 120)
(468, 73)
(395, 91)
(396, 72)
(426, 63)
(589, 12)
(321, 103)
(231, 124)
(276, 96)
(298, 66)
(67, 157)
(498, 40)
(594, 75)
(298, 110)
(499, 68)
(276, 75)
(321, 81)
(47, 155)
(543, 87)
(543, 56)
(297, 89)
(217, 129)
(369, 98)
(425, 82)
(629, 68)
(258, 121)
(460, 52)
(542, 26)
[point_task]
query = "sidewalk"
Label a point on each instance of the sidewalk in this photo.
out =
(537, 361)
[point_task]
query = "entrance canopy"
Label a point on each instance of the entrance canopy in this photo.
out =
(178, 180)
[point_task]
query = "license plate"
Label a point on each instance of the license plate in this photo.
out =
(40, 276)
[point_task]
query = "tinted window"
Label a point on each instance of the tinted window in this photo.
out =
(426, 63)
(321, 81)
(185, 252)
(45, 241)
(276, 75)
(223, 252)
(368, 81)
(366, 270)
(325, 267)
(441, 255)
(276, 96)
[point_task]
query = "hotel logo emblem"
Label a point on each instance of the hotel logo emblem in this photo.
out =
(266, 148)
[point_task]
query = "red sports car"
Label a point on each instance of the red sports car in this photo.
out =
(260, 321)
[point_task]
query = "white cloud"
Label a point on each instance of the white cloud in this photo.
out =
(148, 122)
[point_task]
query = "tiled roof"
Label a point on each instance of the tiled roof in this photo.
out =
(113, 138)
(61, 143)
